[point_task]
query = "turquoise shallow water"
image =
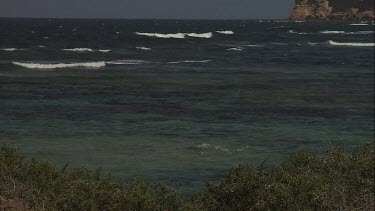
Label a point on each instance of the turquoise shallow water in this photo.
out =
(187, 122)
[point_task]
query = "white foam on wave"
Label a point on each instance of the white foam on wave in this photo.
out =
(78, 49)
(105, 51)
(165, 36)
(203, 35)
(359, 24)
(225, 32)
(234, 49)
(177, 35)
(60, 65)
(331, 42)
(11, 49)
(332, 32)
(86, 50)
(127, 62)
(190, 61)
(144, 48)
(344, 32)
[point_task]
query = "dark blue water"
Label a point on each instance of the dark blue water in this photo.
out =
(179, 107)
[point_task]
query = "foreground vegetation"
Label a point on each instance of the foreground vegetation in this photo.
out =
(333, 181)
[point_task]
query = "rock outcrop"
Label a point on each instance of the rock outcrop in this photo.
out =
(340, 10)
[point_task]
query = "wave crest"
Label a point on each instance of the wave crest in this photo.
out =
(225, 32)
(143, 48)
(331, 42)
(177, 35)
(60, 65)
(165, 36)
(203, 35)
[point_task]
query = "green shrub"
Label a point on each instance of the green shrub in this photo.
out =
(332, 181)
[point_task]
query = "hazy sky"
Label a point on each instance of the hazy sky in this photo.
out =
(171, 9)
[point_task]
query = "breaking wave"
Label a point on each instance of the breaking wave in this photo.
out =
(105, 51)
(332, 32)
(86, 50)
(225, 32)
(344, 32)
(203, 35)
(60, 65)
(11, 49)
(143, 48)
(331, 42)
(165, 36)
(359, 24)
(234, 49)
(177, 35)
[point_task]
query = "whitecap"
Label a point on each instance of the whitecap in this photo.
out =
(225, 32)
(234, 49)
(105, 51)
(45, 38)
(203, 35)
(190, 61)
(332, 32)
(60, 65)
(10, 49)
(344, 32)
(78, 49)
(331, 42)
(143, 48)
(165, 36)
(359, 24)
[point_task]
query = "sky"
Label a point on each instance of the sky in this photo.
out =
(148, 9)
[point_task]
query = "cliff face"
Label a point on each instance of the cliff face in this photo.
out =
(350, 10)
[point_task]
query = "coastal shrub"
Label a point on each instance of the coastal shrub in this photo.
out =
(334, 180)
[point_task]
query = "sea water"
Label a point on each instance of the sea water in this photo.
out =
(182, 101)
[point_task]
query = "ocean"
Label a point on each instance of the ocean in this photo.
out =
(182, 101)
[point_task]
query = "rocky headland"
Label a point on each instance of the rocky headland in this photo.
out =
(333, 10)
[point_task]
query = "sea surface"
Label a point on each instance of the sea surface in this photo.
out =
(182, 101)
